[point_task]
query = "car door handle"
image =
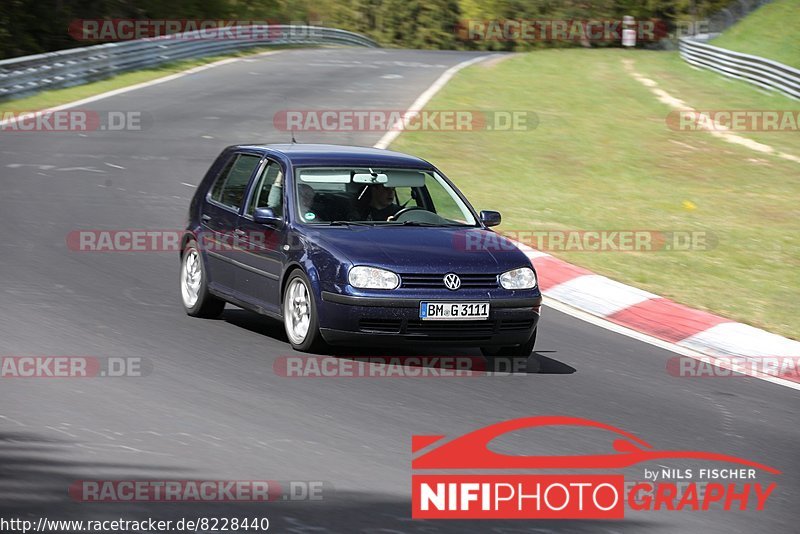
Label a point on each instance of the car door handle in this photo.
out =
(206, 218)
(240, 233)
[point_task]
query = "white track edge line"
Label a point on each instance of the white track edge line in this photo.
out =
(389, 137)
(129, 88)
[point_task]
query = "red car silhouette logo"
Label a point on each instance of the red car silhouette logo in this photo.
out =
(471, 451)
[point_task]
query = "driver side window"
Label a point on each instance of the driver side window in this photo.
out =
(268, 192)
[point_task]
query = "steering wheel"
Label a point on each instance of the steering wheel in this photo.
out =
(396, 216)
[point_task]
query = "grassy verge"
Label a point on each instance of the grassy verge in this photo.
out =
(56, 97)
(770, 31)
(603, 158)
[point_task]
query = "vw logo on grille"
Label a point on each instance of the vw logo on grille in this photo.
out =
(452, 281)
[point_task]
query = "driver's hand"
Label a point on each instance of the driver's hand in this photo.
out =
(390, 218)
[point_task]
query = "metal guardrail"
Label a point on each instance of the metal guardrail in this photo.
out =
(753, 69)
(29, 74)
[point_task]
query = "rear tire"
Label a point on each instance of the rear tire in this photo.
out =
(196, 299)
(300, 314)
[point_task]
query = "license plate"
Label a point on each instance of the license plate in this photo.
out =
(453, 311)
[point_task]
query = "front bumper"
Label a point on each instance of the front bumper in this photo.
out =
(347, 319)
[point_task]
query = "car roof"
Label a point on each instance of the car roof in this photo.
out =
(319, 154)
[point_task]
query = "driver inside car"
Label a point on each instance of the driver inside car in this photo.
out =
(382, 204)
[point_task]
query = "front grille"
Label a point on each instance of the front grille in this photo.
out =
(436, 281)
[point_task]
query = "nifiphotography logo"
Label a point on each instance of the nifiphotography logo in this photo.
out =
(573, 496)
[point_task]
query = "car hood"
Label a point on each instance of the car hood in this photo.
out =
(424, 249)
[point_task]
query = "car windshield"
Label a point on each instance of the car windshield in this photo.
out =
(375, 196)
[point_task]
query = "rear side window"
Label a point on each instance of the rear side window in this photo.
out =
(231, 186)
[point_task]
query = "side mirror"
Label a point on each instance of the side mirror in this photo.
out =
(267, 216)
(490, 218)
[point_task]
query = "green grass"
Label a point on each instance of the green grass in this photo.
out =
(603, 158)
(708, 90)
(771, 31)
(56, 97)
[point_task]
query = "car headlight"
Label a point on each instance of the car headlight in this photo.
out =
(523, 278)
(373, 278)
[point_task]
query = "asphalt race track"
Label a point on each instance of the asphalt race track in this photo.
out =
(213, 408)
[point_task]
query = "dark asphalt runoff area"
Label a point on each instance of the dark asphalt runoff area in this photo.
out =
(213, 408)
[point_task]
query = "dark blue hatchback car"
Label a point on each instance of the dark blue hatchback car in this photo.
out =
(351, 245)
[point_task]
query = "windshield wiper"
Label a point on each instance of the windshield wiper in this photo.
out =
(417, 223)
(349, 223)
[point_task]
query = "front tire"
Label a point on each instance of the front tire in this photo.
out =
(300, 314)
(197, 301)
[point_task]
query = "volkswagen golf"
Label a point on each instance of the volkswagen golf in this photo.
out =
(349, 245)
